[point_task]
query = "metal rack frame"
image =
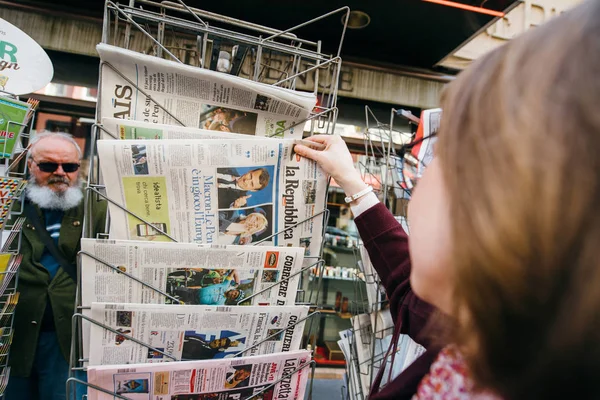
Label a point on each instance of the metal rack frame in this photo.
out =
(385, 148)
(386, 152)
(162, 27)
(178, 32)
(12, 228)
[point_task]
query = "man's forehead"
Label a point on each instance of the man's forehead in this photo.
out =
(54, 146)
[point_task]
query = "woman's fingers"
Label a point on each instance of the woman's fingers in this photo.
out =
(307, 152)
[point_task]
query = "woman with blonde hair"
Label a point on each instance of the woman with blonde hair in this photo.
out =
(239, 228)
(505, 228)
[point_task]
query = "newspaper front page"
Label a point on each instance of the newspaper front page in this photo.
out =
(191, 332)
(190, 273)
(197, 97)
(128, 129)
(214, 192)
(224, 379)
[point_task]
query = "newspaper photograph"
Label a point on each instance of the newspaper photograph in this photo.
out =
(197, 97)
(214, 192)
(266, 377)
(189, 273)
(191, 332)
(129, 129)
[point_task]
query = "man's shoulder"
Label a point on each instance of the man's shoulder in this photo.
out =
(228, 171)
(232, 191)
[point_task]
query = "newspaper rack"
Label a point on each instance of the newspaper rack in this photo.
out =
(11, 230)
(152, 27)
(369, 333)
(182, 34)
(385, 148)
(77, 345)
(386, 151)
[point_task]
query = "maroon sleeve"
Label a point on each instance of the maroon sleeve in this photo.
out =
(387, 245)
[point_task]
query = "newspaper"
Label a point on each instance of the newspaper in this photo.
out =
(421, 153)
(191, 332)
(348, 347)
(382, 323)
(128, 129)
(197, 97)
(214, 192)
(221, 275)
(269, 377)
(375, 292)
(371, 353)
(369, 350)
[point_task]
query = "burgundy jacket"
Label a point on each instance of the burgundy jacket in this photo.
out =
(387, 244)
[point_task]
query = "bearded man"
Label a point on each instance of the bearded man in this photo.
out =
(47, 275)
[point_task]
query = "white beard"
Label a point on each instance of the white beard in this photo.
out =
(46, 198)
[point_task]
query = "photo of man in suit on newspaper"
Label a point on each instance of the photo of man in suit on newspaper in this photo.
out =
(244, 186)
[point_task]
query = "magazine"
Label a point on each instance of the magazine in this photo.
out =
(266, 377)
(189, 273)
(13, 113)
(10, 188)
(196, 97)
(214, 192)
(190, 332)
(9, 264)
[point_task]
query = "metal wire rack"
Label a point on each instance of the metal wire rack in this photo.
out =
(195, 37)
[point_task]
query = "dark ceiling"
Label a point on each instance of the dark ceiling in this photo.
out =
(410, 33)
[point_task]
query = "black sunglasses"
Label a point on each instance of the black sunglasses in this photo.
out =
(52, 166)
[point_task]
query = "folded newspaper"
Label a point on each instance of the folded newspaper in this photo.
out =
(197, 97)
(375, 291)
(189, 273)
(214, 192)
(191, 332)
(352, 381)
(371, 353)
(268, 377)
(128, 129)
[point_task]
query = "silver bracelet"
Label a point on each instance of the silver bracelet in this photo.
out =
(358, 195)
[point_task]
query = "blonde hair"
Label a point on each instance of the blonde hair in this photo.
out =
(519, 145)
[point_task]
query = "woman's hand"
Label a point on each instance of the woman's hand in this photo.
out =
(335, 161)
